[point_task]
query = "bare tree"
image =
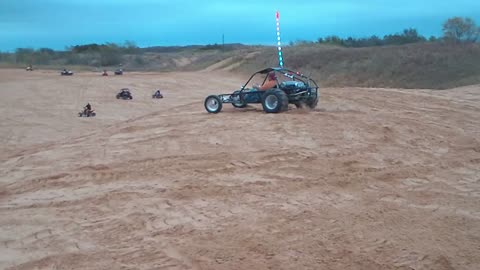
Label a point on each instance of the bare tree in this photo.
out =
(459, 29)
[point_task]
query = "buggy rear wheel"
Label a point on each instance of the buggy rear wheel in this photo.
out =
(213, 104)
(275, 101)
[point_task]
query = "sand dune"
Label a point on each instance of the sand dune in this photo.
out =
(372, 179)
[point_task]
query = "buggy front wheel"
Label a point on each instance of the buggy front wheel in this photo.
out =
(213, 104)
(312, 103)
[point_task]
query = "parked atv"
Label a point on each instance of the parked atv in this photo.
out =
(296, 89)
(124, 94)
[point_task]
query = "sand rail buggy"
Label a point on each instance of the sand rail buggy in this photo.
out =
(124, 94)
(291, 87)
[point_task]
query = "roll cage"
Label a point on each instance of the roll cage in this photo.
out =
(292, 75)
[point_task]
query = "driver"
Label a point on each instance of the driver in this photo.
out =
(270, 83)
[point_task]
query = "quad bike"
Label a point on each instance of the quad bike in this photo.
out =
(119, 71)
(29, 68)
(87, 113)
(157, 95)
(125, 94)
(296, 89)
(66, 72)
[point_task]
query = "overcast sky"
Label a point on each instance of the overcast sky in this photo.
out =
(60, 23)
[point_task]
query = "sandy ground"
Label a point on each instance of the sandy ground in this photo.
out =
(372, 179)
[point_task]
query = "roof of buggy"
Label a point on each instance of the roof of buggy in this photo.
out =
(286, 71)
(268, 70)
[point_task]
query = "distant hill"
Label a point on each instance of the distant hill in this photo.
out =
(432, 65)
(420, 65)
(170, 49)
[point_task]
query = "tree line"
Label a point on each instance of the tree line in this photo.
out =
(108, 54)
(406, 37)
(455, 31)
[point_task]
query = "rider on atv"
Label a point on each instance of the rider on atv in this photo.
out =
(87, 108)
(87, 111)
(157, 94)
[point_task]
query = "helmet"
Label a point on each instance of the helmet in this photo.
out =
(271, 76)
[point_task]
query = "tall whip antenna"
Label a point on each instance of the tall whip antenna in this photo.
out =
(279, 43)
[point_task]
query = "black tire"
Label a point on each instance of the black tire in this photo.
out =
(274, 101)
(213, 104)
(312, 103)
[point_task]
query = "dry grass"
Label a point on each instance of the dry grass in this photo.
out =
(433, 66)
